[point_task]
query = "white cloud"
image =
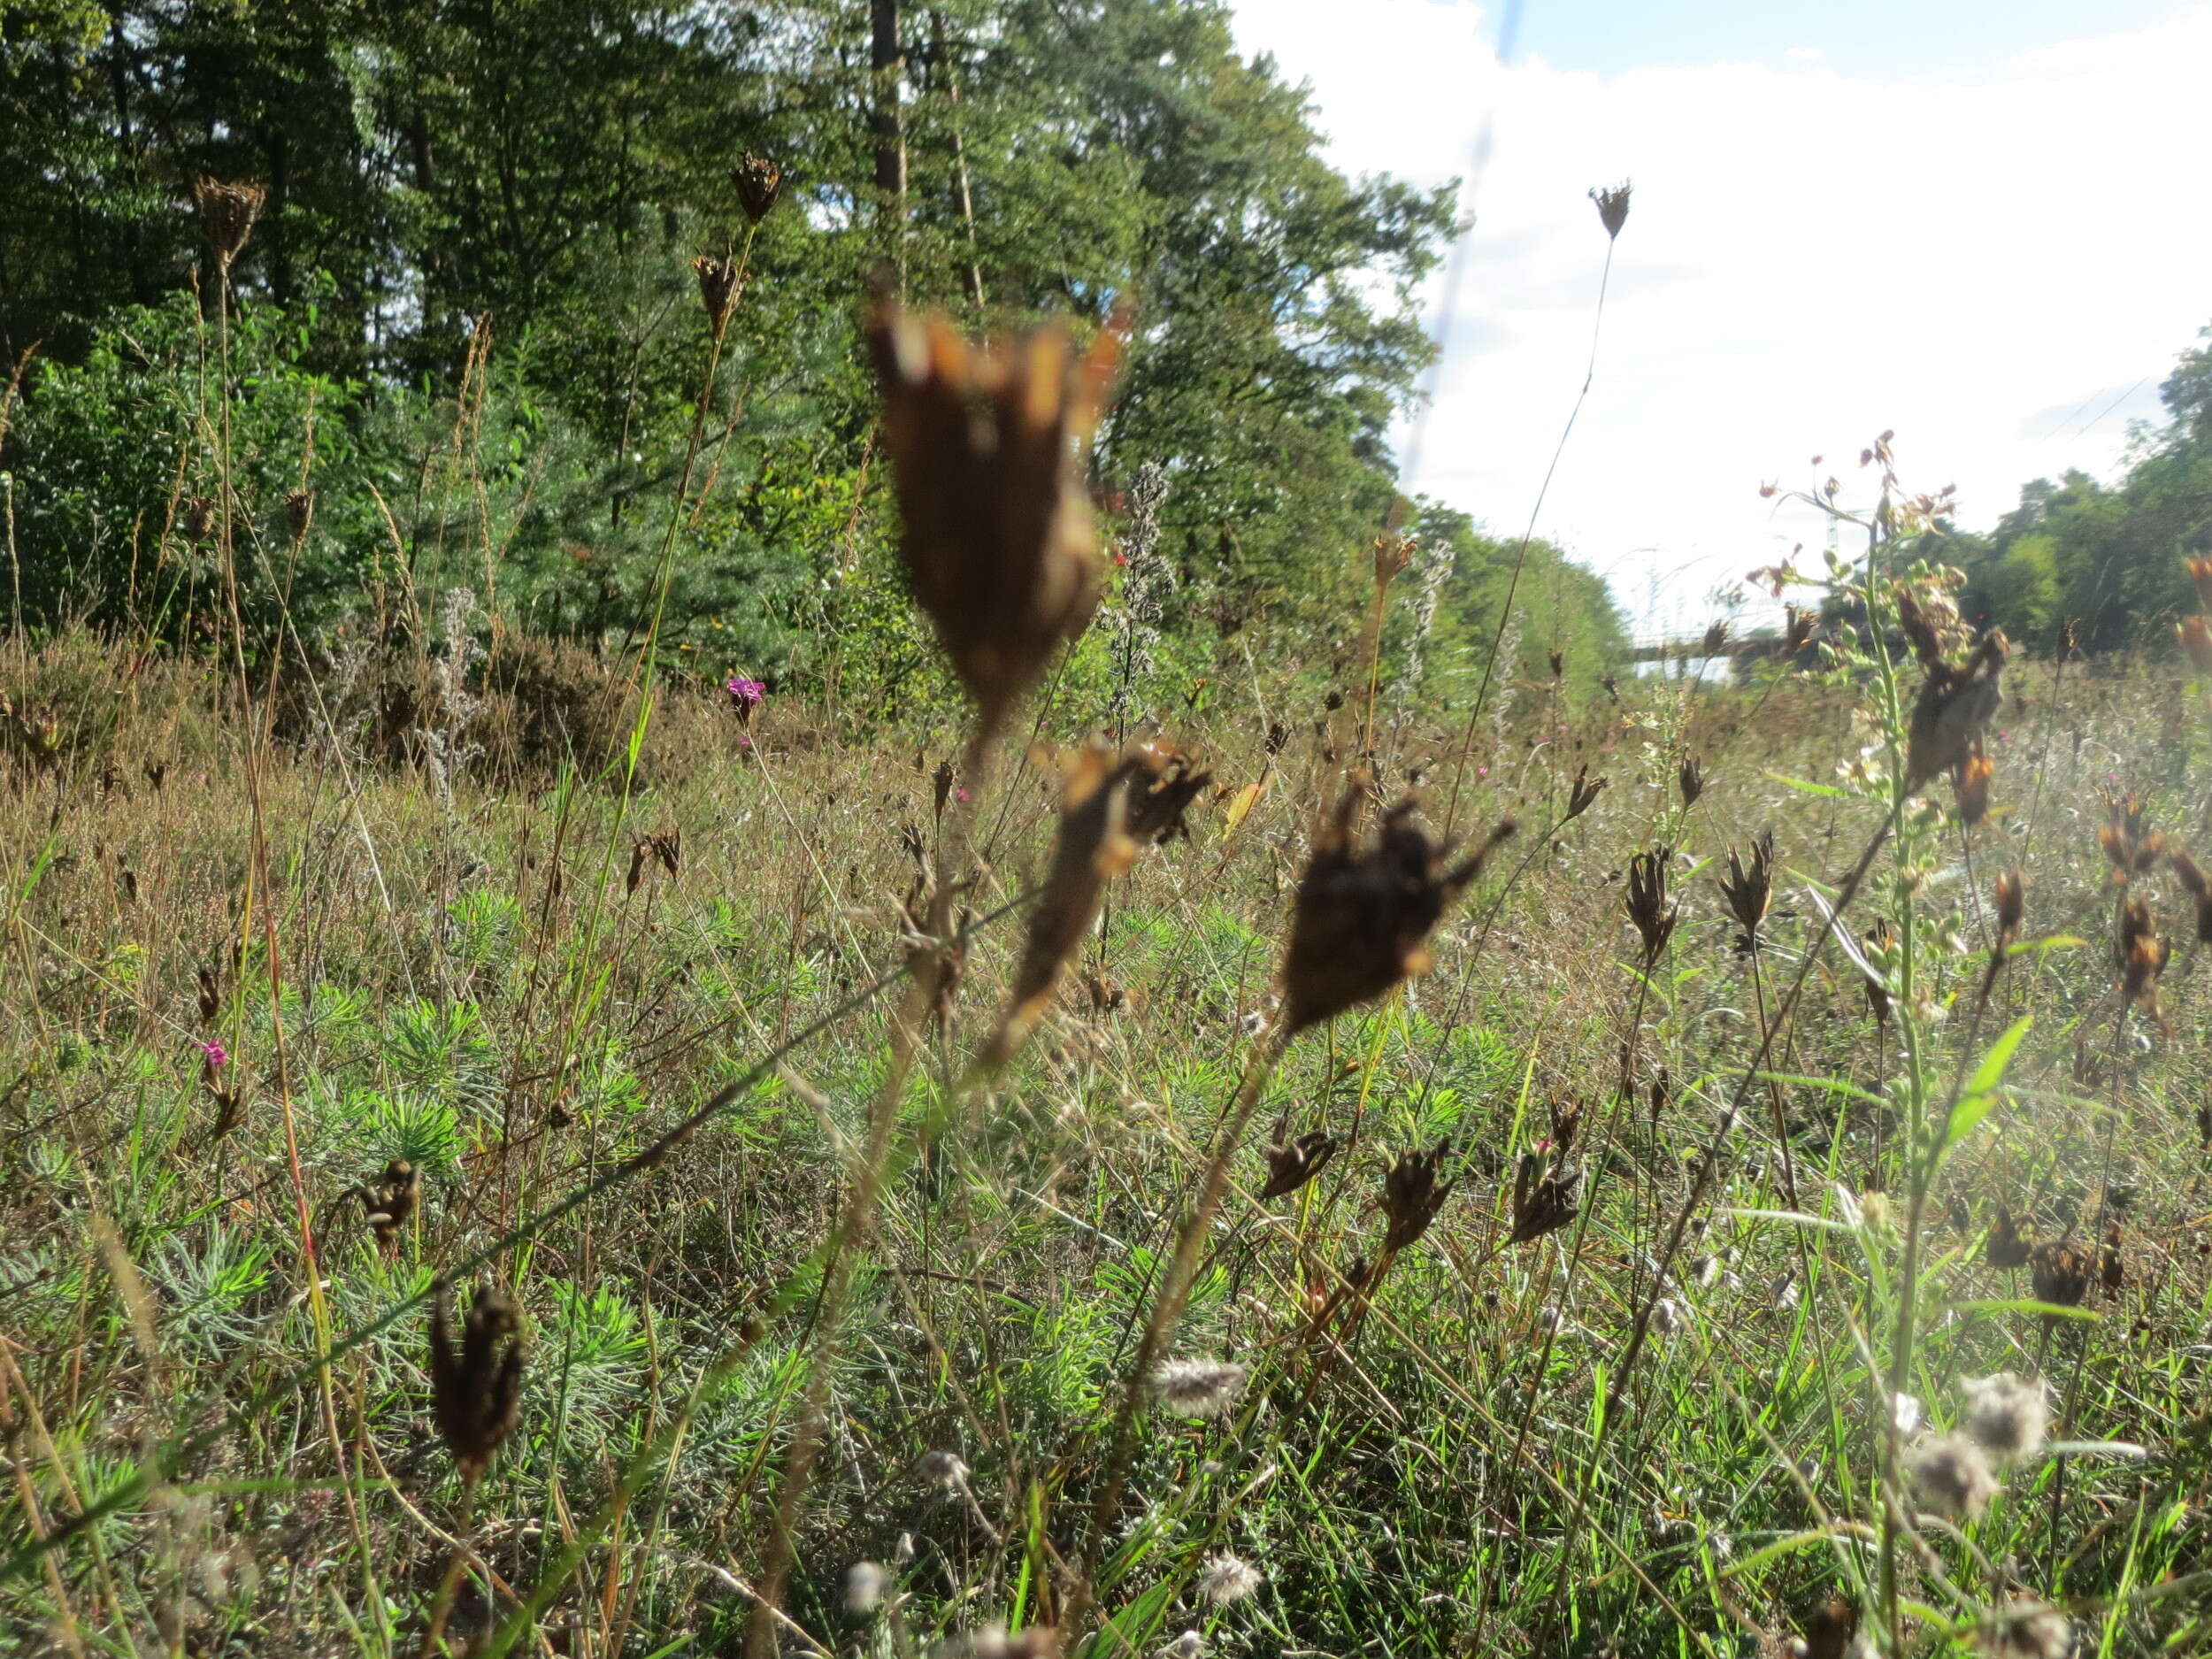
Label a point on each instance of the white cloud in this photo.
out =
(2000, 265)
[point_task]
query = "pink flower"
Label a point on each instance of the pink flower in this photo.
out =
(745, 695)
(963, 794)
(214, 1055)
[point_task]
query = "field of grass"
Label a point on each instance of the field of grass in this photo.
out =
(1625, 1299)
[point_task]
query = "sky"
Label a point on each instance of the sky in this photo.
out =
(1982, 227)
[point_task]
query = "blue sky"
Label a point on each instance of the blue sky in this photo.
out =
(1980, 227)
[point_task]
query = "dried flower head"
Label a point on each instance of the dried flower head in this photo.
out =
(941, 781)
(210, 992)
(2142, 955)
(1544, 1196)
(1828, 1630)
(1645, 899)
(721, 284)
(2190, 876)
(1750, 888)
(942, 1468)
(1290, 1166)
(1798, 626)
(476, 1390)
(1199, 1387)
(998, 539)
(2019, 1629)
(1414, 1191)
(1690, 778)
(2129, 843)
(199, 517)
(2061, 1270)
(389, 1203)
(227, 213)
(1717, 634)
(2009, 898)
(299, 512)
(2006, 1416)
(1955, 704)
(2196, 640)
(2005, 1249)
(1164, 783)
(1189, 1645)
(1392, 553)
(1612, 206)
(1362, 915)
(1951, 1476)
(1970, 785)
(759, 182)
(2112, 1262)
(1584, 795)
(1878, 942)
(1559, 665)
(1225, 1578)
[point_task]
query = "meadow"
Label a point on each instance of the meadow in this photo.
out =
(505, 1151)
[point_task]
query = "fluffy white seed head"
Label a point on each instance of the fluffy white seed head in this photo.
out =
(1951, 1476)
(1226, 1578)
(2024, 1630)
(1199, 1387)
(2006, 1416)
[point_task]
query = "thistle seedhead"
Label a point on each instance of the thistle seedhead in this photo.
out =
(759, 182)
(1690, 778)
(1750, 888)
(2006, 1416)
(1362, 915)
(227, 213)
(1290, 1166)
(476, 1389)
(1954, 706)
(996, 534)
(1225, 1578)
(721, 284)
(1543, 1196)
(1612, 206)
(1584, 795)
(1951, 1476)
(1645, 899)
(1414, 1191)
(2061, 1270)
(1199, 1387)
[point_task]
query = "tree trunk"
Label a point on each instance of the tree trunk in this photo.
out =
(888, 62)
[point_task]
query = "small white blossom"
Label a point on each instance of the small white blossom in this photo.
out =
(1226, 1578)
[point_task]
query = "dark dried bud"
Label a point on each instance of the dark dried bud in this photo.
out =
(2142, 956)
(1648, 907)
(1559, 665)
(941, 781)
(1612, 207)
(668, 847)
(1970, 783)
(1716, 640)
(1290, 1166)
(1543, 1195)
(476, 1390)
(1362, 916)
(2005, 1249)
(2112, 1262)
(210, 995)
(760, 183)
(640, 851)
(1953, 707)
(390, 1203)
(1797, 629)
(299, 512)
(1584, 795)
(721, 283)
(227, 215)
(2010, 898)
(1690, 778)
(1414, 1192)
(1277, 737)
(997, 536)
(2060, 1270)
(1749, 888)
(2129, 844)
(1393, 554)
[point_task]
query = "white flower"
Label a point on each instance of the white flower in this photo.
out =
(1905, 1412)
(1226, 1578)
(864, 1588)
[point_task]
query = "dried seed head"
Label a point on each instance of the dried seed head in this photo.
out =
(199, 517)
(1749, 888)
(389, 1204)
(941, 781)
(1164, 783)
(2059, 1269)
(1877, 943)
(1362, 916)
(1559, 665)
(2005, 1248)
(2130, 845)
(1290, 1166)
(865, 1584)
(1717, 634)
(2006, 1416)
(1951, 1476)
(1413, 1194)
(998, 539)
(2187, 872)
(2112, 1262)
(476, 1390)
(1584, 795)
(2142, 956)
(1970, 783)
(1225, 1578)
(1955, 704)
(1645, 899)
(1199, 1387)
(2024, 1630)
(1690, 778)
(227, 215)
(721, 284)
(1612, 206)
(1797, 629)
(2196, 639)
(759, 182)
(1543, 1196)
(1392, 553)
(2201, 574)
(944, 1469)
(299, 512)
(2010, 898)
(1829, 1629)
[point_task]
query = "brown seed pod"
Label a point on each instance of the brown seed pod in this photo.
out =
(2130, 845)
(1690, 778)
(1646, 900)
(1749, 889)
(1612, 207)
(2010, 900)
(1543, 1196)
(721, 284)
(227, 215)
(760, 183)
(390, 1203)
(2142, 955)
(996, 536)
(1955, 704)
(1413, 1194)
(476, 1390)
(1584, 795)
(1290, 1166)
(1970, 785)
(2061, 1270)
(1362, 916)
(2005, 1249)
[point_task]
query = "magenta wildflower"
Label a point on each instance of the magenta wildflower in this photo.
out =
(215, 1056)
(745, 695)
